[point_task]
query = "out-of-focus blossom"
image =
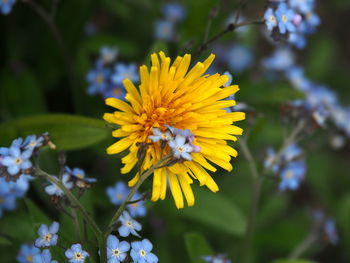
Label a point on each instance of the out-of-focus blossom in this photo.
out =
(239, 58)
(117, 193)
(281, 59)
(285, 16)
(164, 30)
(26, 253)
(108, 54)
(6, 6)
(303, 6)
(219, 258)
(44, 257)
(123, 71)
(174, 12)
(98, 79)
(270, 19)
(291, 175)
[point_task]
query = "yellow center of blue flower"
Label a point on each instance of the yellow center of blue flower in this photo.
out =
(80, 176)
(180, 149)
(119, 196)
(129, 223)
(117, 91)
(29, 258)
(78, 256)
(272, 19)
(142, 253)
(99, 79)
(47, 237)
(285, 18)
(289, 174)
(116, 252)
(18, 161)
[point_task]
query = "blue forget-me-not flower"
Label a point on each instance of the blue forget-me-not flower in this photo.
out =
(47, 235)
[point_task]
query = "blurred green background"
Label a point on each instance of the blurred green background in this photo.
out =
(35, 79)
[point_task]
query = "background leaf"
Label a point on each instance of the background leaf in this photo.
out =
(197, 247)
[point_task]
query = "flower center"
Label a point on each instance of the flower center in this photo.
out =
(119, 196)
(117, 91)
(29, 258)
(116, 252)
(289, 174)
(181, 149)
(99, 79)
(142, 253)
(32, 144)
(79, 176)
(272, 19)
(134, 205)
(47, 237)
(129, 223)
(285, 18)
(18, 161)
(78, 256)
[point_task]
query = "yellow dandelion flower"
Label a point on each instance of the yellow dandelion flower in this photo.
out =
(171, 94)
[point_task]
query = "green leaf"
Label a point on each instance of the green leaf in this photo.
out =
(293, 261)
(214, 210)
(4, 241)
(37, 216)
(197, 247)
(68, 132)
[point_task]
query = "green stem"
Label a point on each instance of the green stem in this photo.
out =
(304, 245)
(72, 199)
(76, 225)
(143, 177)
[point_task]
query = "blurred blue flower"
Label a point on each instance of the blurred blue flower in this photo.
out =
(44, 257)
(220, 258)
(33, 142)
(128, 226)
(174, 12)
(320, 114)
(331, 231)
(239, 58)
(123, 71)
(47, 235)
(117, 193)
(281, 59)
(141, 252)
(291, 175)
(298, 40)
(292, 152)
(270, 19)
(303, 6)
(164, 30)
(26, 253)
(270, 162)
(297, 77)
(137, 209)
(6, 6)
(228, 83)
(7, 197)
(76, 254)
(52, 189)
(116, 251)
(309, 23)
(341, 117)
(285, 16)
(17, 160)
(115, 91)
(180, 148)
(319, 94)
(98, 79)
(108, 54)
(79, 174)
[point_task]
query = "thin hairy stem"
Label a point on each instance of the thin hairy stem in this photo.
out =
(304, 245)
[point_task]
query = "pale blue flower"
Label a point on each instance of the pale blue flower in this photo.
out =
(220, 258)
(291, 175)
(117, 193)
(79, 174)
(33, 142)
(123, 71)
(281, 59)
(47, 235)
(239, 58)
(174, 12)
(6, 6)
(116, 250)
(26, 253)
(7, 197)
(17, 160)
(108, 54)
(160, 136)
(44, 257)
(180, 148)
(285, 18)
(270, 19)
(115, 91)
(164, 30)
(128, 226)
(297, 77)
(141, 252)
(269, 161)
(137, 209)
(331, 231)
(298, 40)
(53, 189)
(76, 254)
(303, 6)
(292, 152)
(98, 79)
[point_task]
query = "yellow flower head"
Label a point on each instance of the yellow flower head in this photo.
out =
(170, 95)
